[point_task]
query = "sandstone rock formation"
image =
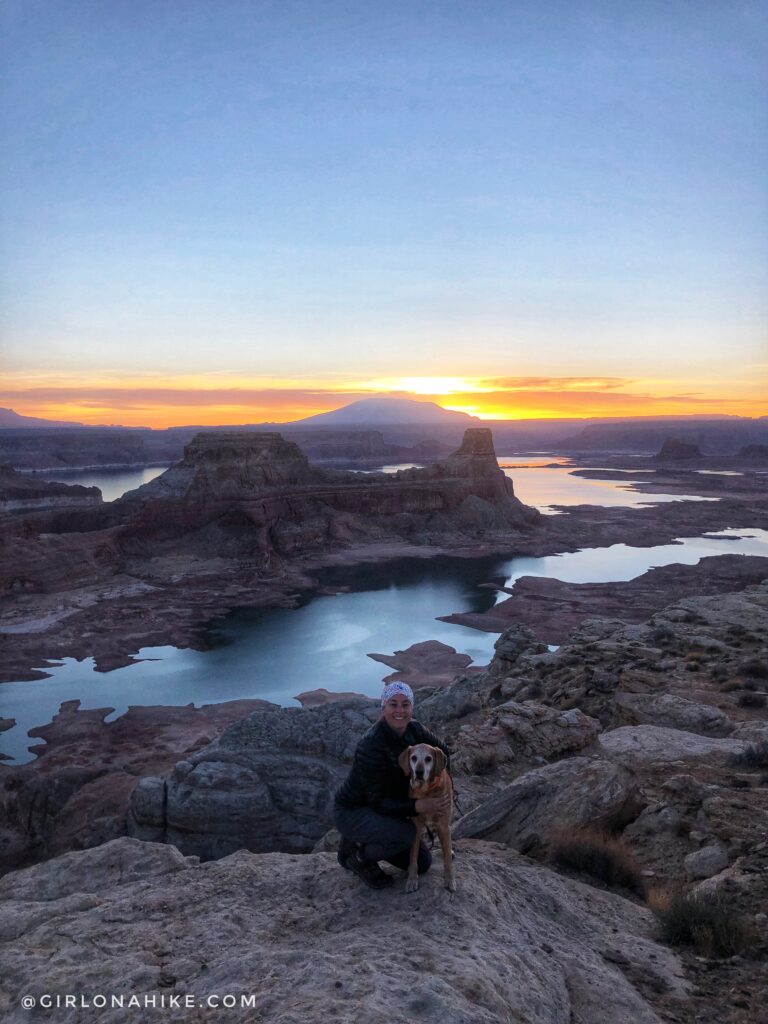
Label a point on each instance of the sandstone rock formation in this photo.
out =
(755, 452)
(309, 943)
(77, 792)
(266, 783)
(261, 496)
(671, 710)
(653, 744)
(692, 649)
(20, 492)
(553, 608)
(570, 793)
(674, 448)
(523, 733)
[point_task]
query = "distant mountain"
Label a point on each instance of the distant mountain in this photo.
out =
(388, 412)
(9, 418)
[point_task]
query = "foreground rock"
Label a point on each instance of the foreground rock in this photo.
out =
(267, 783)
(514, 732)
(653, 744)
(571, 793)
(667, 709)
(310, 944)
(77, 792)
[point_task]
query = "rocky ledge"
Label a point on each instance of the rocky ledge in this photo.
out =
(553, 608)
(309, 943)
(23, 493)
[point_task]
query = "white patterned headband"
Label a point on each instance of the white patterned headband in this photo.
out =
(395, 690)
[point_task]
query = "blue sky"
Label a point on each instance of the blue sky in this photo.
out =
(329, 190)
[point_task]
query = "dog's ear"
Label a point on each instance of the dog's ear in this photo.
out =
(405, 761)
(440, 761)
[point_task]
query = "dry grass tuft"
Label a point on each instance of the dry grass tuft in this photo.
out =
(709, 924)
(594, 853)
(754, 756)
(755, 667)
(751, 700)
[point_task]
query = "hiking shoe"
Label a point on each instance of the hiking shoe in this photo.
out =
(368, 870)
(346, 849)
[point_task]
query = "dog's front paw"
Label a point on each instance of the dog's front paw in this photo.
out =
(412, 885)
(450, 885)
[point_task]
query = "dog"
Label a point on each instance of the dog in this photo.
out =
(426, 767)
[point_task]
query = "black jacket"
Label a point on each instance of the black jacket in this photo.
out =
(376, 779)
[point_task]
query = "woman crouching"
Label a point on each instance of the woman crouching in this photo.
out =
(372, 806)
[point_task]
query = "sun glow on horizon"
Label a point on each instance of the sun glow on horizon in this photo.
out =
(227, 398)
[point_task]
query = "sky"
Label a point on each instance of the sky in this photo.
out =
(233, 211)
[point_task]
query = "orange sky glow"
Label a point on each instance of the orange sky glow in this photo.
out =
(205, 400)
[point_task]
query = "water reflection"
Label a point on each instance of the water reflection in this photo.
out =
(113, 482)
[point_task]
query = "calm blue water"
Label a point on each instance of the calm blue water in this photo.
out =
(113, 482)
(277, 653)
(542, 484)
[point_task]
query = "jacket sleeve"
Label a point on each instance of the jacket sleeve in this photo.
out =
(373, 769)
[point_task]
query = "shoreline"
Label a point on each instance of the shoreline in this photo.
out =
(113, 620)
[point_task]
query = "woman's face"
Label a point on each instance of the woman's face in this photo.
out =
(397, 713)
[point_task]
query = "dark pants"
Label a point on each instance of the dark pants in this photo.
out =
(381, 837)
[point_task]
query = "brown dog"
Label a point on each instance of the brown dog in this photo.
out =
(426, 767)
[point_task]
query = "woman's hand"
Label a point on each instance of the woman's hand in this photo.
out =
(433, 804)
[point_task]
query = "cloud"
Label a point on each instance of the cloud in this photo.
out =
(149, 397)
(557, 383)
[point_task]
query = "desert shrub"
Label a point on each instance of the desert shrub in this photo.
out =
(737, 783)
(753, 756)
(751, 700)
(730, 686)
(709, 924)
(755, 667)
(718, 672)
(749, 684)
(603, 857)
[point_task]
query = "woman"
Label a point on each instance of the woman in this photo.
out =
(373, 806)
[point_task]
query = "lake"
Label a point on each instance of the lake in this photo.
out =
(277, 653)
